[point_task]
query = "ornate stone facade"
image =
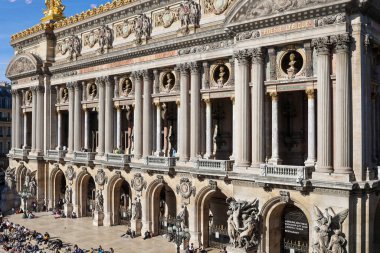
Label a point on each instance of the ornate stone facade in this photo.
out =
(245, 119)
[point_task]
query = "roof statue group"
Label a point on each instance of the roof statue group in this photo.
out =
(54, 10)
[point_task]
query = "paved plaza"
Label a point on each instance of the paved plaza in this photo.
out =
(82, 232)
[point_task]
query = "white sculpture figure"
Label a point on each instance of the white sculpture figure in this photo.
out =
(243, 223)
(27, 179)
(184, 216)
(136, 209)
(68, 194)
(325, 224)
(99, 201)
(33, 187)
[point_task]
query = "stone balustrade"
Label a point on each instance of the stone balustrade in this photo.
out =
(55, 154)
(84, 156)
(20, 153)
(161, 161)
(299, 173)
(119, 159)
(220, 165)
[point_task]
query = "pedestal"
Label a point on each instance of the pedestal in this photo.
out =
(98, 219)
(136, 225)
(68, 208)
(231, 249)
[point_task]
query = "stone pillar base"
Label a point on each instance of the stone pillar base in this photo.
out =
(98, 219)
(231, 249)
(68, 209)
(332, 177)
(107, 219)
(136, 225)
(275, 161)
(310, 162)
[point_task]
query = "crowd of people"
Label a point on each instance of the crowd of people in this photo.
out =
(19, 239)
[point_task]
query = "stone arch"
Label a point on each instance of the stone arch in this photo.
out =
(271, 214)
(56, 178)
(202, 202)
(21, 172)
(114, 187)
(153, 203)
(81, 192)
(24, 64)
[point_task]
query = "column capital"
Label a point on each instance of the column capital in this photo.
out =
(178, 102)
(322, 45)
(37, 89)
(207, 100)
(15, 92)
(117, 107)
(157, 103)
(194, 67)
(232, 99)
(70, 85)
(310, 93)
(102, 80)
(183, 68)
(242, 56)
(274, 95)
(77, 86)
(341, 42)
(258, 55)
(147, 74)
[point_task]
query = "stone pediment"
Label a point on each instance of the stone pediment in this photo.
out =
(23, 64)
(248, 10)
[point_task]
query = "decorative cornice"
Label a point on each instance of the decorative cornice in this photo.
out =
(248, 35)
(331, 19)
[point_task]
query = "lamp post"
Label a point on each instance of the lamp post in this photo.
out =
(179, 234)
(25, 195)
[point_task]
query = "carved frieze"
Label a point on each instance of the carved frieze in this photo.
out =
(72, 46)
(248, 35)
(331, 19)
(255, 9)
(103, 36)
(143, 28)
(185, 188)
(216, 6)
(206, 47)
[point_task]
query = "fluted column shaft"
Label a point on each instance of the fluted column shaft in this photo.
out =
(158, 129)
(184, 109)
(77, 117)
(86, 130)
(59, 130)
(34, 117)
(234, 129)
(195, 112)
(138, 117)
(14, 92)
(17, 119)
(25, 130)
(311, 154)
(324, 135)
(343, 154)
(40, 120)
(148, 114)
(275, 158)
(100, 82)
(208, 129)
(118, 127)
(109, 117)
(70, 87)
(242, 98)
(257, 104)
(178, 103)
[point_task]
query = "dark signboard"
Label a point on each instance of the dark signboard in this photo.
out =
(295, 230)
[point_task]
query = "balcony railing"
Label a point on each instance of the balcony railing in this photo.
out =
(220, 165)
(299, 173)
(56, 154)
(118, 158)
(161, 161)
(20, 152)
(84, 156)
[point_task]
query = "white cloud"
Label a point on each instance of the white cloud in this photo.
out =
(12, 1)
(93, 5)
(28, 1)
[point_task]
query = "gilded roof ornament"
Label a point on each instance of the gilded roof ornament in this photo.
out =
(54, 11)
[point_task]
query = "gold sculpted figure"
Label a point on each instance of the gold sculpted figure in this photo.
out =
(54, 10)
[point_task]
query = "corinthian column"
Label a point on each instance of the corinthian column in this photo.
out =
(14, 92)
(34, 117)
(184, 109)
(242, 98)
(108, 115)
(70, 87)
(77, 116)
(208, 129)
(275, 159)
(158, 129)
(40, 120)
(138, 114)
(195, 111)
(17, 119)
(148, 114)
(324, 149)
(257, 106)
(100, 82)
(342, 127)
(310, 128)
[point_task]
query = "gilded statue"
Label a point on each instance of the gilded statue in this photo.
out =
(54, 10)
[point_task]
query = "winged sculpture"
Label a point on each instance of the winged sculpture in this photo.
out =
(329, 237)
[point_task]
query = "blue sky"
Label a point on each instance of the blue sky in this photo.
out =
(18, 15)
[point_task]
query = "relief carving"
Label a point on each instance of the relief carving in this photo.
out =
(138, 183)
(71, 45)
(100, 177)
(103, 36)
(190, 15)
(21, 65)
(143, 28)
(166, 18)
(185, 188)
(332, 19)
